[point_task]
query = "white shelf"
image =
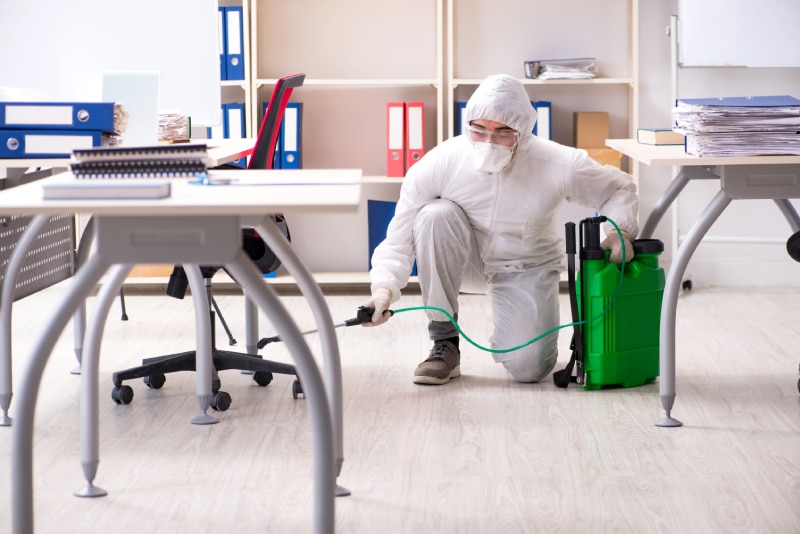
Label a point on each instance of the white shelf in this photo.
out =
(529, 81)
(359, 82)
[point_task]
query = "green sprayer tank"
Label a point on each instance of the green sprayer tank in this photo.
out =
(621, 347)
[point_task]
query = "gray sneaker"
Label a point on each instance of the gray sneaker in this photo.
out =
(443, 363)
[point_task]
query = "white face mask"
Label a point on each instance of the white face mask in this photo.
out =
(491, 158)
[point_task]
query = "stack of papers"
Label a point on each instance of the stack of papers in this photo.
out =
(569, 68)
(739, 126)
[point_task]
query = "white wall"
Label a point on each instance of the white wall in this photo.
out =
(714, 263)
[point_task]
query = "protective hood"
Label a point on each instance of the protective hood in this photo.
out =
(502, 98)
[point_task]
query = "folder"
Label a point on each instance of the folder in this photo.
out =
(233, 114)
(217, 131)
(415, 133)
(97, 116)
(291, 136)
(460, 124)
(222, 43)
(379, 215)
(234, 43)
(777, 101)
(45, 143)
(543, 127)
(233, 126)
(395, 139)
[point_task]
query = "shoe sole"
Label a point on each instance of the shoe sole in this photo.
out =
(433, 381)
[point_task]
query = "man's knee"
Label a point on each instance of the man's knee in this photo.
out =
(530, 369)
(436, 212)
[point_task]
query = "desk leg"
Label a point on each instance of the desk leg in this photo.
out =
(90, 369)
(330, 343)
(246, 273)
(789, 213)
(204, 359)
(13, 268)
(667, 198)
(79, 319)
(22, 435)
(250, 326)
(669, 306)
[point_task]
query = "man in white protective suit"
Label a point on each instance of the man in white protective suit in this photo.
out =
(478, 213)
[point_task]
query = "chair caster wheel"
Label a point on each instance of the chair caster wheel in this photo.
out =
(221, 401)
(122, 394)
(155, 381)
(687, 285)
(297, 389)
(262, 378)
(216, 383)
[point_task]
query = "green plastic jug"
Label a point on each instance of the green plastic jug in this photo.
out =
(621, 348)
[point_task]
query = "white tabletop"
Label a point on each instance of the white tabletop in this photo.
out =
(669, 155)
(311, 190)
(220, 151)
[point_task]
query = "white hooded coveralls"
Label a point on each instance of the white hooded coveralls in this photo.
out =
(497, 233)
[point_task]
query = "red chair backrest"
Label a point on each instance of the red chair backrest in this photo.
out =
(264, 151)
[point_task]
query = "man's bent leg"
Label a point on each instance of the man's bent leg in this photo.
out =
(524, 306)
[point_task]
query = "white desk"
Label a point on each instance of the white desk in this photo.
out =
(749, 177)
(220, 151)
(196, 225)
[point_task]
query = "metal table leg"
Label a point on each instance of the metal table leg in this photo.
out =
(670, 304)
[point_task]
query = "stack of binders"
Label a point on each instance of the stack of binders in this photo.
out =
(405, 136)
(53, 129)
(739, 126)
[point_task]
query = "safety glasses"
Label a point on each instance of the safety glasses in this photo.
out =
(498, 138)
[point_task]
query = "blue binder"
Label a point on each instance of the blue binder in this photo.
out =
(459, 124)
(778, 101)
(45, 143)
(233, 126)
(234, 43)
(291, 136)
(98, 116)
(379, 214)
(222, 39)
(544, 121)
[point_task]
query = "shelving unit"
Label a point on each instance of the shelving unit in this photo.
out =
(358, 55)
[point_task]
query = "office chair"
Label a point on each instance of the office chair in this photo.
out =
(153, 370)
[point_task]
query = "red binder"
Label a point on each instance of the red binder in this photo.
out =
(395, 139)
(415, 133)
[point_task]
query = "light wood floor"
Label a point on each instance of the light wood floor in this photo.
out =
(480, 455)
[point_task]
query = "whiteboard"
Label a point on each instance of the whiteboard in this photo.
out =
(56, 50)
(740, 33)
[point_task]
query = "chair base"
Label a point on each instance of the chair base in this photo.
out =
(153, 369)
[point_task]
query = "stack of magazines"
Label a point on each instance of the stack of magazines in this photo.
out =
(739, 126)
(160, 161)
(552, 69)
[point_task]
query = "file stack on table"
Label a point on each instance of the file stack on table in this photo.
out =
(55, 129)
(739, 126)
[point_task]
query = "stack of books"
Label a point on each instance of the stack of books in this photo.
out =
(739, 126)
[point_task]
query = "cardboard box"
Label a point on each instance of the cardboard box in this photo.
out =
(606, 156)
(591, 129)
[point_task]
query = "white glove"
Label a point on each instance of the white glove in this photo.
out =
(381, 300)
(612, 243)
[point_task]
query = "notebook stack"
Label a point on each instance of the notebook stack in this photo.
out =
(739, 126)
(160, 161)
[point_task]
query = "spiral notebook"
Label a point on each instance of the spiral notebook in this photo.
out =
(161, 161)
